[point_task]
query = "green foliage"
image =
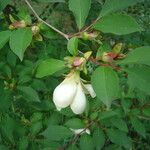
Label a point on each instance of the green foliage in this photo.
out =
(115, 5)
(80, 9)
(101, 49)
(19, 40)
(106, 85)
(73, 46)
(48, 67)
(119, 24)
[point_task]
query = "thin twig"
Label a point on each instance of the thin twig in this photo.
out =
(73, 141)
(41, 20)
(86, 29)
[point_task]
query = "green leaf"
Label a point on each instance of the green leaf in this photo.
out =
(120, 124)
(29, 93)
(119, 24)
(4, 3)
(105, 82)
(120, 138)
(115, 5)
(3, 147)
(139, 77)
(80, 9)
(138, 126)
(51, 1)
(86, 142)
(99, 138)
(19, 41)
(139, 55)
(146, 111)
(49, 67)
(23, 143)
(73, 46)
(75, 123)
(57, 133)
(4, 38)
(107, 114)
(72, 147)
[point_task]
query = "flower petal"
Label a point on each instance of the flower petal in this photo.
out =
(90, 90)
(64, 93)
(79, 103)
(80, 131)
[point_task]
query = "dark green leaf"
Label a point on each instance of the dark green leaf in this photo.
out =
(29, 93)
(75, 123)
(138, 77)
(56, 133)
(99, 138)
(138, 126)
(86, 142)
(118, 137)
(120, 124)
(4, 38)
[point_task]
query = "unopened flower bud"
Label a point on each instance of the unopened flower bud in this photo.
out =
(35, 30)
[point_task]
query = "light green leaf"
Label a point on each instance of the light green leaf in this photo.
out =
(80, 9)
(99, 138)
(138, 126)
(4, 38)
(119, 24)
(57, 133)
(120, 138)
(86, 142)
(139, 77)
(115, 5)
(106, 84)
(73, 46)
(49, 67)
(29, 93)
(139, 55)
(19, 41)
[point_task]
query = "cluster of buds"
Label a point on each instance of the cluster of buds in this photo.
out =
(78, 63)
(71, 92)
(114, 54)
(18, 24)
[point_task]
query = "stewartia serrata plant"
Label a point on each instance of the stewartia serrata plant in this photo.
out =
(74, 75)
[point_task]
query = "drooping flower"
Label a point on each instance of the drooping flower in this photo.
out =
(64, 93)
(71, 92)
(79, 102)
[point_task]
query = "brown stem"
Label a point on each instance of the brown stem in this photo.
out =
(41, 20)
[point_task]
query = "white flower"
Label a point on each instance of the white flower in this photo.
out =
(89, 90)
(79, 102)
(64, 93)
(71, 92)
(80, 131)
